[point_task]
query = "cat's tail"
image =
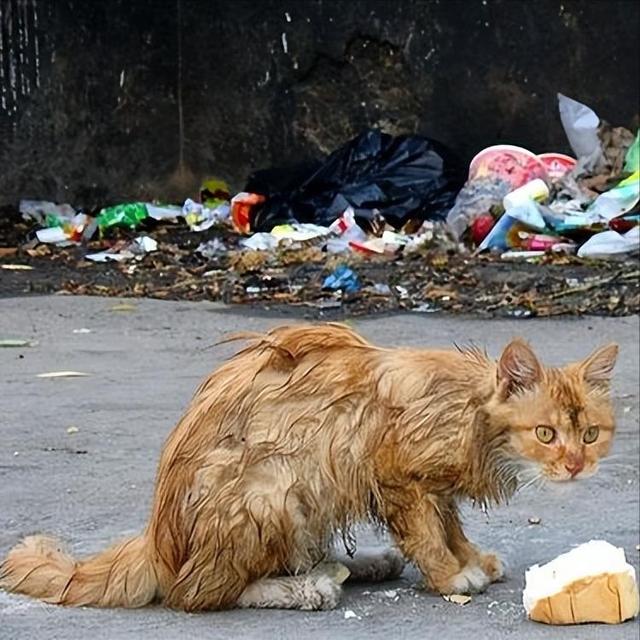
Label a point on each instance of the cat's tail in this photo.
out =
(122, 576)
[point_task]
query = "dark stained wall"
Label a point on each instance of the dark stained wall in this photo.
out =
(91, 92)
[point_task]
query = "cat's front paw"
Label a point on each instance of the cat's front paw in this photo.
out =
(492, 566)
(472, 579)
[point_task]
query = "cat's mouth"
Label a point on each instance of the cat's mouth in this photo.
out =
(569, 475)
(537, 475)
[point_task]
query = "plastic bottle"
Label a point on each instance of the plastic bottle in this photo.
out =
(535, 190)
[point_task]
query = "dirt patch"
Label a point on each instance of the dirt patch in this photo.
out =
(426, 281)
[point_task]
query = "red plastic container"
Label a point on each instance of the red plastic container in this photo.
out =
(557, 164)
(241, 206)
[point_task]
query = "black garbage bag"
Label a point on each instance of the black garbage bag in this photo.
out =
(403, 178)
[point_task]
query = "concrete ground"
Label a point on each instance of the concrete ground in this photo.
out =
(93, 485)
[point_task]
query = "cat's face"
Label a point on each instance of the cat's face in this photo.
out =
(561, 421)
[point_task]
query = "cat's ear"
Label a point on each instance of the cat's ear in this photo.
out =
(598, 367)
(518, 368)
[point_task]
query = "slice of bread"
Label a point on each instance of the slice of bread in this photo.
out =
(591, 583)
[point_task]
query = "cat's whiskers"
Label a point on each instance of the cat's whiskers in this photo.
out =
(541, 483)
(530, 475)
(530, 482)
(508, 471)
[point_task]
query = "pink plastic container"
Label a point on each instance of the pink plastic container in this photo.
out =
(513, 164)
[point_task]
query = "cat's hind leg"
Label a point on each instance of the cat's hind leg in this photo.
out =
(374, 566)
(309, 592)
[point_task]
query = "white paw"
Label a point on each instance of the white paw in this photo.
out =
(320, 593)
(472, 579)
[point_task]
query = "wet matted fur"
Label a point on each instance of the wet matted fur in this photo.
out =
(310, 429)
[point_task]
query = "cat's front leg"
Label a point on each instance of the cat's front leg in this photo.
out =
(415, 521)
(466, 552)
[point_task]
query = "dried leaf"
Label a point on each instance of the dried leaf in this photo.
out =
(458, 598)
(63, 374)
(123, 307)
(16, 267)
(15, 343)
(40, 250)
(434, 291)
(248, 261)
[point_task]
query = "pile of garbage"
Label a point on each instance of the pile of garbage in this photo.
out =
(384, 199)
(525, 205)
(369, 196)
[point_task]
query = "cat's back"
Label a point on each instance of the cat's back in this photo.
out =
(417, 373)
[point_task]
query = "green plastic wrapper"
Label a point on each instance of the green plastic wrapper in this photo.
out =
(124, 215)
(632, 159)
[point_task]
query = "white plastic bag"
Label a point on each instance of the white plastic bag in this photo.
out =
(38, 210)
(581, 127)
(347, 230)
(611, 245)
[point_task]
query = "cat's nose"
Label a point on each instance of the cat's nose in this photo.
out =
(574, 467)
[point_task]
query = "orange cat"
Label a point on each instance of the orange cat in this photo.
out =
(311, 429)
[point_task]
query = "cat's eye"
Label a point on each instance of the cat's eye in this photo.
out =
(591, 435)
(545, 434)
